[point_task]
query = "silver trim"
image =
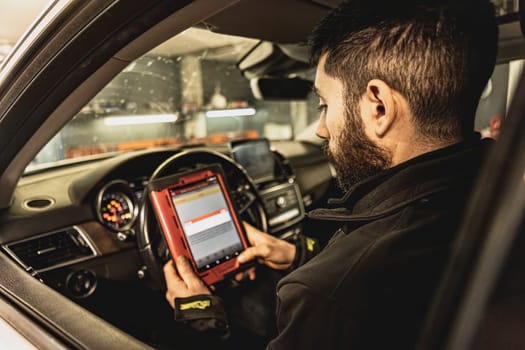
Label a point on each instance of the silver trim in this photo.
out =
(95, 252)
(299, 206)
(51, 200)
(275, 188)
(283, 217)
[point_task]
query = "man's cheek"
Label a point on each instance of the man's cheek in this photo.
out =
(333, 145)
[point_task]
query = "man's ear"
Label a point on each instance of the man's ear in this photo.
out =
(381, 106)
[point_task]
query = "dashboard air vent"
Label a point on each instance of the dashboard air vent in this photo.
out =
(52, 250)
(39, 203)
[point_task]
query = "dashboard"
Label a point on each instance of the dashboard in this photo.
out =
(76, 226)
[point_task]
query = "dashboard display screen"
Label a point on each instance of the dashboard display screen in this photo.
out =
(256, 157)
(207, 223)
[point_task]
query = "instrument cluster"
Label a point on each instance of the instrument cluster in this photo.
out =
(117, 204)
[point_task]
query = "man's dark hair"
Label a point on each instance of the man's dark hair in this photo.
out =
(438, 54)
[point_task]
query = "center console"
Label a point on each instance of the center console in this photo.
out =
(275, 180)
(284, 208)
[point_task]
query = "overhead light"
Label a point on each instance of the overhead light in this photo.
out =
(235, 112)
(141, 119)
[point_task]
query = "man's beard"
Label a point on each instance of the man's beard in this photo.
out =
(356, 157)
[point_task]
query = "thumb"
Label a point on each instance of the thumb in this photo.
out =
(252, 233)
(258, 251)
(249, 254)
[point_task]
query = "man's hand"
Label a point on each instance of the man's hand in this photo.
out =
(268, 250)
(182, 281)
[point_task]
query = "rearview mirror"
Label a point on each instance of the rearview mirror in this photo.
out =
(270, 88)
(267, 59)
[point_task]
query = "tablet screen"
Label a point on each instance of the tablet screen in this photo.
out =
(207, 223)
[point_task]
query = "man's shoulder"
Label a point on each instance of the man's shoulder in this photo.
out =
(390, 242)
(323, 273)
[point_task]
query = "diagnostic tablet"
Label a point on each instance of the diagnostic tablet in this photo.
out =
(198, 221)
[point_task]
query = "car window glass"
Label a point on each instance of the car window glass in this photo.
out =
(186, 91)
(496, 97)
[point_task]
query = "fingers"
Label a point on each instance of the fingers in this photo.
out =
(248, 274)
(181, 280)
(251, 274)
(248, 227)
(169, 269)
(249, 230)
(239, 276)
(184, 268)
(172, 276)
(192, 281)
(173, 282)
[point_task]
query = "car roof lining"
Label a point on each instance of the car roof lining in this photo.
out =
(252, 19)
(172, 25)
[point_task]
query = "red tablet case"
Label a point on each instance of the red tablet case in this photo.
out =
(160, 193)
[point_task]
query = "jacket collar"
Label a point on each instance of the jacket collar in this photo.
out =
(410, 181)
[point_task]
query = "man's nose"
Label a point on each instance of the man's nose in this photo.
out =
(321, 130)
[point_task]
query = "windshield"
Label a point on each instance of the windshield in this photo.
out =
(190, 91)
(186, 91)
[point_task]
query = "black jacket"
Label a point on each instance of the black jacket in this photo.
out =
(372, 283)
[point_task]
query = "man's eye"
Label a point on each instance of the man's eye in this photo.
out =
(322, 108)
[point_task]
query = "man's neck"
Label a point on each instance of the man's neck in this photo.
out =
(404, 151)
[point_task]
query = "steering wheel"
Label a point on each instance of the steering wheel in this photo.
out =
(151, 244)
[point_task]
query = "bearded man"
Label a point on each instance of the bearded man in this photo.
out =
(398, 85)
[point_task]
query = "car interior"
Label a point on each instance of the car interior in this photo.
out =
(101, 98)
